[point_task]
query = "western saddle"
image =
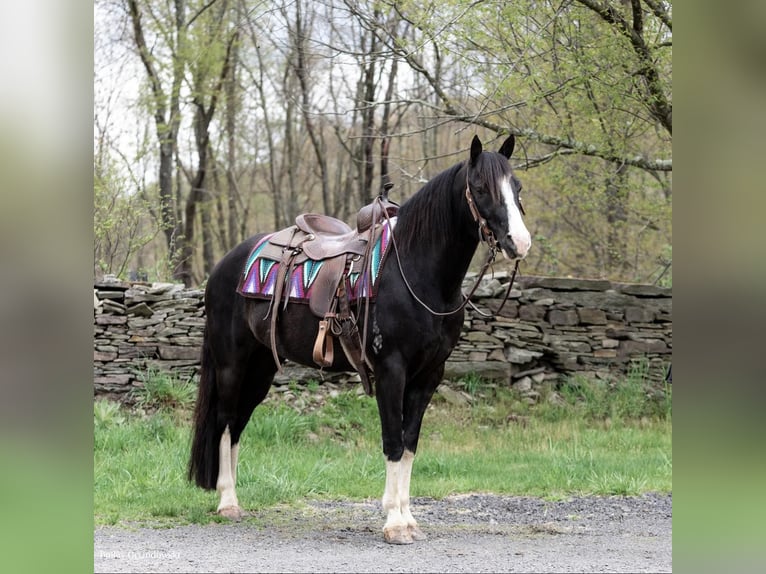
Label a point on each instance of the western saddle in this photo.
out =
(339, 247)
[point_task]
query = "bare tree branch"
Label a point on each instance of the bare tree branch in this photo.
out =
(660, 12)
(658, 103)
(146, 60)
(449, 107)
(200, 12)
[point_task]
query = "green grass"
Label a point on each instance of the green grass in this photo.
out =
(634, 397)
(595, 439)
(163, 391)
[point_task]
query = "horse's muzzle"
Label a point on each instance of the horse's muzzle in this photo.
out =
(516, 247)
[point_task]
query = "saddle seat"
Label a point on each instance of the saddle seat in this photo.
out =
(320, 224)
(328, 237)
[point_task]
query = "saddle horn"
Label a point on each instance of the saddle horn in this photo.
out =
(387, 185)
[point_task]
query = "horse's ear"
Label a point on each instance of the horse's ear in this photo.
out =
(475, 149)
(507, 148)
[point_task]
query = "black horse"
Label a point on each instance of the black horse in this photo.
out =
(414, 325)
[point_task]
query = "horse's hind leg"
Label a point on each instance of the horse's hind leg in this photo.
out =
(230, 382)
(247, 386)
(225, 485)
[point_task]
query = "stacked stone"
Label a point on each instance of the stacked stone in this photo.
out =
(144, 328)
(548, 328)
(552, 327)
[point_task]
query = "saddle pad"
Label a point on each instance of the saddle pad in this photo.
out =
(258, 279)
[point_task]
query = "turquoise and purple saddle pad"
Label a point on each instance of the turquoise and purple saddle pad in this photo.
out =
(261, 271)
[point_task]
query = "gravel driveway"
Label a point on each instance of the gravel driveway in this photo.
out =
(466, 533)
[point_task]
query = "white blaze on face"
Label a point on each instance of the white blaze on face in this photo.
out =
(518, 232)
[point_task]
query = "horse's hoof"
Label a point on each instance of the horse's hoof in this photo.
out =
(234, 513)
(416, 533)
(397, 535)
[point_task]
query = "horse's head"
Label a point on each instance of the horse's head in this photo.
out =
(494, 190)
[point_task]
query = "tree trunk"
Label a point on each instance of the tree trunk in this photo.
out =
(368, 126)
(385, 142)
(274, 182)
(616, 218)
(301, 71)
(288, 162)
(232, 107)
(199, 195)
(167, 119)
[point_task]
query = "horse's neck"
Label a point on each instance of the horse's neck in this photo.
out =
(442, 253)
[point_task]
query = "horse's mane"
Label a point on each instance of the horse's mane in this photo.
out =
(435, 203)
(430, 208)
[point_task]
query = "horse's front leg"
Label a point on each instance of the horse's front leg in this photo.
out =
(405, 473)
(390, 397)
(401, 408)
(395, 530)
(417, 395)
(401, 527)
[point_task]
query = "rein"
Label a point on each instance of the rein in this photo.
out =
(487, 236)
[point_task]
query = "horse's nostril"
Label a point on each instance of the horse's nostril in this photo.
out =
(521, 243)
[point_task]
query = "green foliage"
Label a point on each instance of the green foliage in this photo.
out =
(107, 414)
(620, 401)
(164, 390)
(278, 426)
(584, 92)
(574, 77)
(547, 251)
(348, 416)
(122, 222)
(472, 383)
(664, 273)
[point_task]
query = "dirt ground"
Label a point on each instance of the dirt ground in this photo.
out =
(466, 533)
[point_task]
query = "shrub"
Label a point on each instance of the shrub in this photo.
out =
(162, 390)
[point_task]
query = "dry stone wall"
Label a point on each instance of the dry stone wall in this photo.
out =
(549, 328)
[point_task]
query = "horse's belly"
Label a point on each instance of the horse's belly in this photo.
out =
(297, 329)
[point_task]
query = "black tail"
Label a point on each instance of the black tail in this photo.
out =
(203, 462)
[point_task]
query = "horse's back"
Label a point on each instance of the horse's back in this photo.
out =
(228, 269)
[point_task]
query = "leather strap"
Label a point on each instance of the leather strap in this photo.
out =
(367, 272)
(288, 277)
(349, 338)
(466, 298)
(323, 347)
(288, 255)
(485, 233)
(350, 345)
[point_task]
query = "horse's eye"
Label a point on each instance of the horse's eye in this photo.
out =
(521, 207)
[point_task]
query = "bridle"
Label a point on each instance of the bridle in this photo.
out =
(487, 236)
(485, 233)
